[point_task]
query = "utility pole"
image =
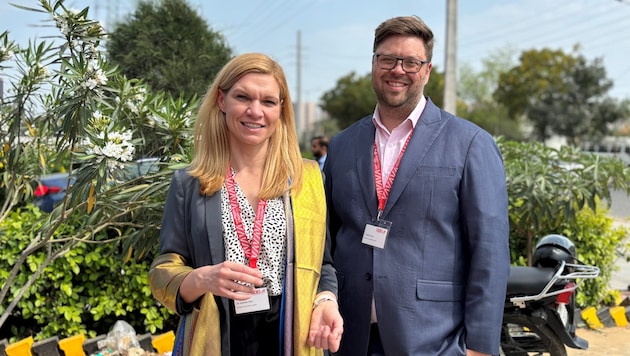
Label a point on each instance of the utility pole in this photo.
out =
(450, 67)
(298, 98)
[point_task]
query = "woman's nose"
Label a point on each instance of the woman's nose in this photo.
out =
(255, 108)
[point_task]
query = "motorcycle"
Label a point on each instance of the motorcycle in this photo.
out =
(539, 312)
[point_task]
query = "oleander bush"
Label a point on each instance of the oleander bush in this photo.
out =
(82, 266)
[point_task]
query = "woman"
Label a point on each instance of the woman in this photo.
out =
(244, 257)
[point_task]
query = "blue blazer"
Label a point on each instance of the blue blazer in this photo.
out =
(439, 283)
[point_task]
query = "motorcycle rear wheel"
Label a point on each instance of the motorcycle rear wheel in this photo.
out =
(523, 338)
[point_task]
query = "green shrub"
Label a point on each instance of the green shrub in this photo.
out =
(85, 290)
(597, 241)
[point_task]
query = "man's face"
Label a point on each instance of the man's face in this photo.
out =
(316, 149)
(396, 88)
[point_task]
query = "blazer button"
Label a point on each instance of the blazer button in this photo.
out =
(368, 276)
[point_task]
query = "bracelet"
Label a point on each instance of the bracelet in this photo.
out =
(320, 300)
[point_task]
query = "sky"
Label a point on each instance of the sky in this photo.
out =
(317, 42)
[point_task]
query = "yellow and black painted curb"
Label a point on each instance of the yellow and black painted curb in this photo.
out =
(607, 316)
(77, 345)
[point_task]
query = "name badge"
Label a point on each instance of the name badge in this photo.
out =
(259, 301)
(375, 233)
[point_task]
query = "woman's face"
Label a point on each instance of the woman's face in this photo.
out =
(252, 109)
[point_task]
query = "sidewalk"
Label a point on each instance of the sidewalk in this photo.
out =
(620, 279)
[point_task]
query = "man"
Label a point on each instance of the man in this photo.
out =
(418, 215)
(319, 148)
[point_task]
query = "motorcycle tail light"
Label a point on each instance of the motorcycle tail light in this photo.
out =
(565, 297)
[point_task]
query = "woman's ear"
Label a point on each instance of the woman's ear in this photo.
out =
(221, 100)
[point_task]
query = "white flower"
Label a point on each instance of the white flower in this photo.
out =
(5, 54)
(100, 77)
(118, 146)
(90, 84)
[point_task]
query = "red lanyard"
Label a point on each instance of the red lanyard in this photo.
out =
(250, 249)
(382, 193)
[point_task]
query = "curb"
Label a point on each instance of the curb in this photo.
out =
(607, 316)
(77, 345)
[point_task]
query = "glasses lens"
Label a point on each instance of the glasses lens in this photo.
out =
(386, 62)
(411, 65)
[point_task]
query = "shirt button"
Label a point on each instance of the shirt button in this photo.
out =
(368, 276)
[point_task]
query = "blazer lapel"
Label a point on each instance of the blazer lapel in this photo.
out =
(365, 165)
(426, 132)
(214, 227)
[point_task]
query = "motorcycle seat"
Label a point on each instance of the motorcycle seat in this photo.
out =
(528, 280)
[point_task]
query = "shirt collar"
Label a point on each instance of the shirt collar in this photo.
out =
(414, 117)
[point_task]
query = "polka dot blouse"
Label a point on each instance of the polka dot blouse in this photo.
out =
(273, 246)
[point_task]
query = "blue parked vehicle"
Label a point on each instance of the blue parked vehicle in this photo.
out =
(51, 188)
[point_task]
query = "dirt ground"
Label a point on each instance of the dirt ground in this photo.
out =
(604, 342)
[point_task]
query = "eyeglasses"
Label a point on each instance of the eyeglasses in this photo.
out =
(409, 65)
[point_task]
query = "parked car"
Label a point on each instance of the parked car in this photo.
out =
(51, 188)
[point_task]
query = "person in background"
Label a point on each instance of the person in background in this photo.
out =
(319, 148)
(418, 215)
(244, 256)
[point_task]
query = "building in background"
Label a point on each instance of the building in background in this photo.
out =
(308, 118)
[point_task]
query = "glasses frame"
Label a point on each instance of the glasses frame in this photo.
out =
(402, 60)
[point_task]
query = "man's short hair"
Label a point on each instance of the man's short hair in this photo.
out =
(321, 140)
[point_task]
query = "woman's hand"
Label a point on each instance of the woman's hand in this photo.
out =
(326, 326)
(228, 279)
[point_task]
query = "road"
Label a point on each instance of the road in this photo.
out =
(620, 211)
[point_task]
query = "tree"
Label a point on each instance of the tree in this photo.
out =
(169, 46)
(435, 87)
(580, 109)
(559, 93)
(475, 89)
(352, 99)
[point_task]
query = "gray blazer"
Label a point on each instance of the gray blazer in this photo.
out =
(439, 283)
(192, 228)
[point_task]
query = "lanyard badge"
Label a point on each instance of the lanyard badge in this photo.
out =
(259, 301)
(376, 231)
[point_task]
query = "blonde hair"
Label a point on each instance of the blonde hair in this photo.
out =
(283, 165)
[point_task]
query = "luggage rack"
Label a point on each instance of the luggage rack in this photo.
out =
(578, 271)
